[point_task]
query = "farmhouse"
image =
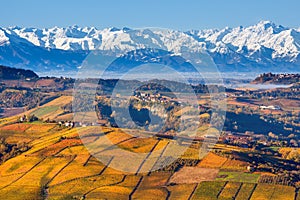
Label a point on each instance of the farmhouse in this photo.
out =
(271, 107)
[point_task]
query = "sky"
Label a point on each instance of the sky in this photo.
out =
(173, 14)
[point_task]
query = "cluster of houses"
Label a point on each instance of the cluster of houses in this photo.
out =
(155, 97)
(241, 140)
(30, 118)
(287, 76)
(23, 119)
(68, 124)
(71, 124)
(271, 107)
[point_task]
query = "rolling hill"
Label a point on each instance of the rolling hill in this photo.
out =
(9, 73)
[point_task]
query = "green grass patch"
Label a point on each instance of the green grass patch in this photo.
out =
(274, 148)
(245, 191)
(35, 122)
(40, 112)
(237, 177)
(208, 190)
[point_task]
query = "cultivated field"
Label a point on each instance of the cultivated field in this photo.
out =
(59, 166)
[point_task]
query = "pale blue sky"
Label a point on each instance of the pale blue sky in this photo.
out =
(181, 15)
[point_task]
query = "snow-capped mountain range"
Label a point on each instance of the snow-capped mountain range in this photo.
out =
(261, 47)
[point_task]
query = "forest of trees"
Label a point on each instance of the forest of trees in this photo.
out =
(8, 150)
(9, 73)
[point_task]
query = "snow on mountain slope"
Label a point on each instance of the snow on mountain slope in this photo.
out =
(3, 38)
(263, 44)
(282, 41)
(70, 38)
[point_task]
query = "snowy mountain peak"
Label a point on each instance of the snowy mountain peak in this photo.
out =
(263, 44)
(269, 26)
(265, 23)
